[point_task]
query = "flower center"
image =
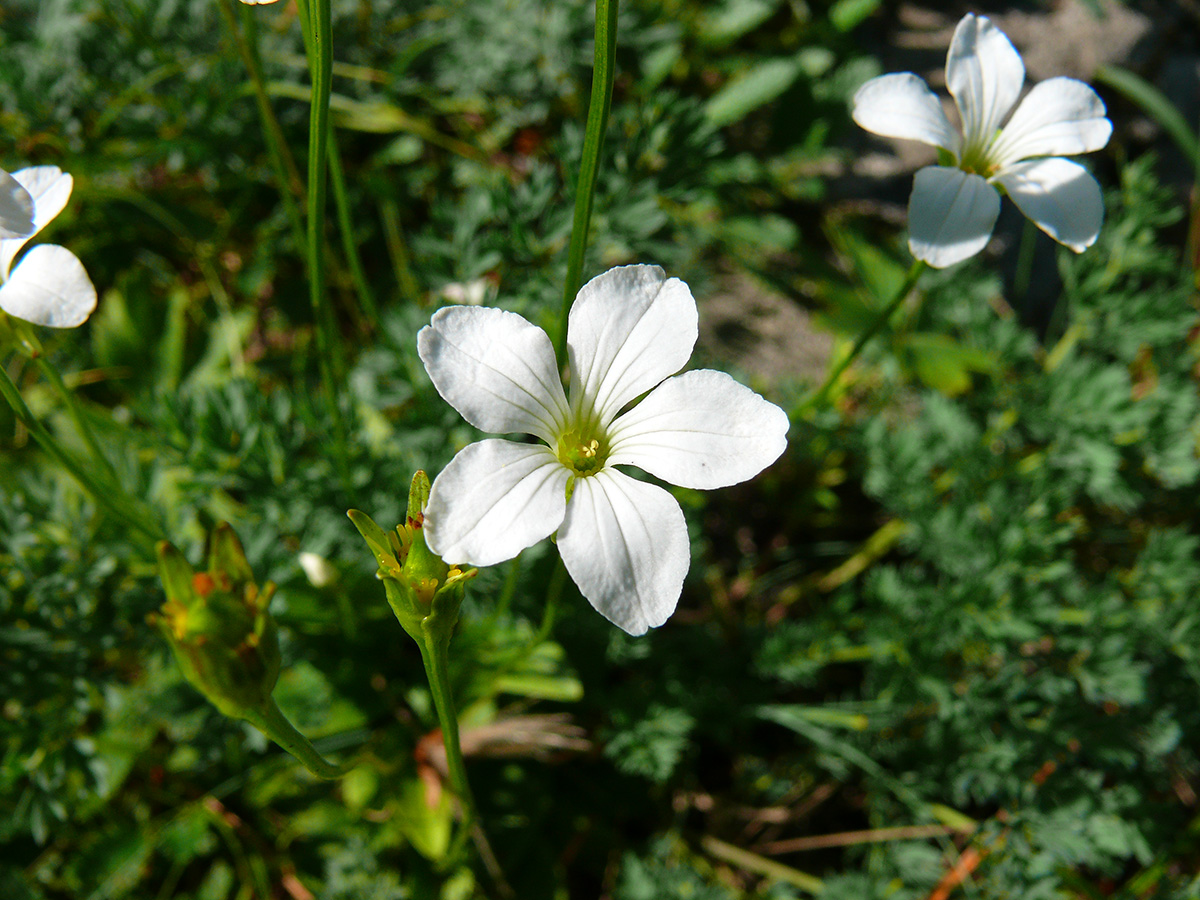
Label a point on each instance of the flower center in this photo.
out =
(976, 160)
(583, 453)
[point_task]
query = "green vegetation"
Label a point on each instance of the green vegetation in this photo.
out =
(948, 646)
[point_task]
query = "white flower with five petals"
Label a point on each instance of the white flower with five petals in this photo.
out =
(623, 541)
(49, 286)
(953, 207)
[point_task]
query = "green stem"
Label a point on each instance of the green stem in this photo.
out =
(393, 235)
(366, 296)
(603, 71)
(70, 402)
(106, 494)
(286, 172)
(435, 654)
(818, 397)
(1023, 276)
(319, 26)
(275, 725)
(553, 593)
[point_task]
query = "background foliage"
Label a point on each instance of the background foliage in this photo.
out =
(963, 605)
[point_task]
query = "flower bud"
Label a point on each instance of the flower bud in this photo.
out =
(217, 624)
(418, 583)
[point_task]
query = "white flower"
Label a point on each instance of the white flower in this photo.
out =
(16, 208)
(318, 569)
(623, 541)
(49, 286)
(953, 208)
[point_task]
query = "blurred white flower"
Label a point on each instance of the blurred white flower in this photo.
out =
(623, 541)
(258, 2)
(953, 207)
(468, 293)
(49, 285)
(16, 208)
(318, 569)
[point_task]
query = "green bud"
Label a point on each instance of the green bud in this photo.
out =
(217, 624)
(421, 589)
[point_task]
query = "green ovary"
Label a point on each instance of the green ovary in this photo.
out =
(583, 453)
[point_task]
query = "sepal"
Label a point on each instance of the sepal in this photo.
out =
(217, 624)
(423, 592)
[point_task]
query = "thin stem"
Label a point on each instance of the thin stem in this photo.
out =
(107, 495)
(393, 235)
(366, 297)
(818, 397)
(286, 172)
(71, 403)
(275, 725)
(603, 71)
(317, 22)
(435, 654)
(553, 592)
(1024, 273)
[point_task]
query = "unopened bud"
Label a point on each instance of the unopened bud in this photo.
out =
(416, 580)
(218, 625)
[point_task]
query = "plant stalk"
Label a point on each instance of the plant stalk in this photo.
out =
(316, 20)
(275, 725)
(603, 72)
(106, 494)
(818, 397)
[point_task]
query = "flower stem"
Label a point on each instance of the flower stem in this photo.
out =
(31, 344)
(274, 724)
(435, 654)
(366, 297)
(282, 161)
(818, 397)
(316, 20)
(603, 71)
(1021, 279)
(106, 494)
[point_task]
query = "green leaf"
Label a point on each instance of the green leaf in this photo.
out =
(731, 20)
(1156, 105)
(846, 15)
(740, 97)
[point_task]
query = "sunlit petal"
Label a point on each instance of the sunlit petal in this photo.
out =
(50, 189)
(700, 430)
(1060, 197)
(984, 73)
(49, 287)
(625, 544)
(493, 500)
(902, 106)
(496, 369)
(951, 215)
(628, 330)
(1059, 117)
(16, 208)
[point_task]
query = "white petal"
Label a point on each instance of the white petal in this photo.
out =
(16, 208)
(50, 188)
(700, 430)
(49, 287)
(902, 106)
(984, 73)
(496, 369)
(950, 215)
(628, 330)
(1059, 196)
(1059, 117)
(495, 499)
(625, 544)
